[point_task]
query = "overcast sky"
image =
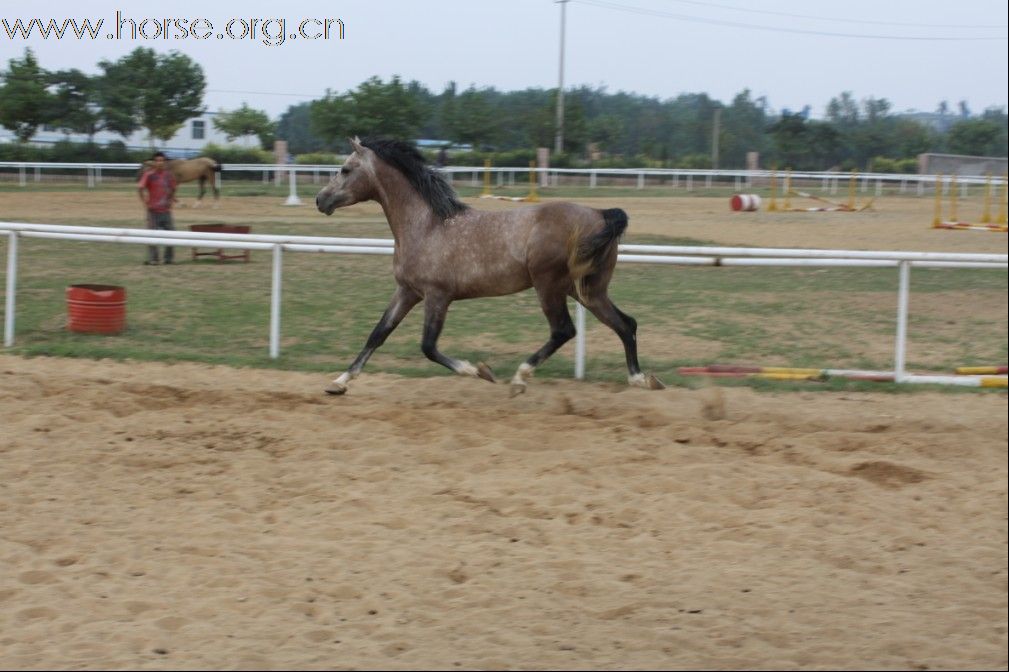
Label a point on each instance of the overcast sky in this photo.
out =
(794, 52)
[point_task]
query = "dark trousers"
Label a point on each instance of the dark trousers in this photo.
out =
(163, 221)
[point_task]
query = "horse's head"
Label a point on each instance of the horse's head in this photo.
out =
(353, 184)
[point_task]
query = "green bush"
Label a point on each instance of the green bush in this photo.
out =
(881, 164)
(73, 152)
(694, 161)
(235, 154)
(310, 158)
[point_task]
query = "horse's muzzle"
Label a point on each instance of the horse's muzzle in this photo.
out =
(326, 203)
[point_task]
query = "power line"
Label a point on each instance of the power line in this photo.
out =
(734, 24)
(266, 93)
(837, 19)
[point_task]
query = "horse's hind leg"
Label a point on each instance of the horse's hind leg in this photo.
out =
(403, 300)
(199, 198)
(562, 330)
(626, 328)
(435, 309)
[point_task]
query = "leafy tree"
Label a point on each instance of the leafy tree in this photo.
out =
(294, 126)
(375, 108)
(843, 110)
(802, 144)
(147, 90)
(75, 108)
(384, 109)
(25, 102)
(604, 131)
(473, 118)
(331, 117)
(247, 121)
(743, 129)
(977, 137)
(446, 107)
(120, 89)
(174, 95)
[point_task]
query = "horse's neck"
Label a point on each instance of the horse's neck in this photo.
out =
(407, 212)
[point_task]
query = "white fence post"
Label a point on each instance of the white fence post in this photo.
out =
(900, 347)
(292, 196)
(12, 283)
(275, 285)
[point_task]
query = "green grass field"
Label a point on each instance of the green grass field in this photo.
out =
(219, 312)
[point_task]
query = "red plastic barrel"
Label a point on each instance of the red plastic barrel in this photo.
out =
(745, 202)
(96, 309)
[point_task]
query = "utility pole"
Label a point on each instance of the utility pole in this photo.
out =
(559, 138)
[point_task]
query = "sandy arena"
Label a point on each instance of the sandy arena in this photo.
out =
(181, 516)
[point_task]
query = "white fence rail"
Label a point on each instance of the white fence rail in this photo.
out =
(830, 181)
(649, 254)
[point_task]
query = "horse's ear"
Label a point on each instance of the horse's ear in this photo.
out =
(355, 142)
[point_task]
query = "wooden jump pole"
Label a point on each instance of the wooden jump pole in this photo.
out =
(774, 188)
(486, 178)
(986, 214)
(851, 189)
(937, 217)
(532, 197)
(788, 190)
(952, 198)
(1002, 204)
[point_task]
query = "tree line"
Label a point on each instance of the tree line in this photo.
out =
(159, 92)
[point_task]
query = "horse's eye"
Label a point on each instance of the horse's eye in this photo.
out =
(344, 170)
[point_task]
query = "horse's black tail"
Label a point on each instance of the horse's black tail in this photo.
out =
(589, 252)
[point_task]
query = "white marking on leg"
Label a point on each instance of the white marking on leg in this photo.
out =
(523, 374)
(464, 368)
(637, 380)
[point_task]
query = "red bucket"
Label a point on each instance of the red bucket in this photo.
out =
(96, 309)
(745, 202)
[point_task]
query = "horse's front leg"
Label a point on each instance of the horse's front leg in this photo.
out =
(403, 300)
(435, 309)
(554, 303)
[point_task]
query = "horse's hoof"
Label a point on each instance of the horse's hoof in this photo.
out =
(483, 371)
(648, 382)
(517, 389)
(336, 388)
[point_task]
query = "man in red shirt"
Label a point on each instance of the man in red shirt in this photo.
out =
(159, 185)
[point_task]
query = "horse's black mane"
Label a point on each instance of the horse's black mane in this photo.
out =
(405, 158)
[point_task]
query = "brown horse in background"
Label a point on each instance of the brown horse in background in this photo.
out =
(201, 168)
(446, 250)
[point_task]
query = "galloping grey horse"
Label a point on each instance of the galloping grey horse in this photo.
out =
(445, 250)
